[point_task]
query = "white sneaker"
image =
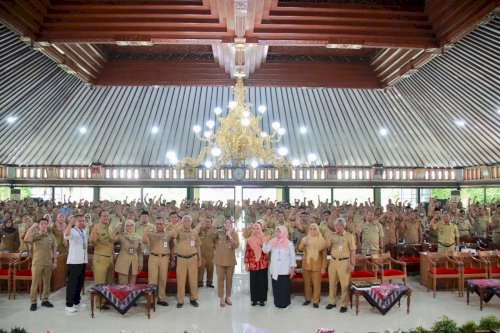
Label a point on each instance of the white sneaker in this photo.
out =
(70, 309)
(80, 306)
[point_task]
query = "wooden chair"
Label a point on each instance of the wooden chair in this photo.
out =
(364, 270)
(89, 272)
(385, 270)
(492, 259)
(6, 262)
(442, 267)
(470, 268)
(410, 254)
(21, 272)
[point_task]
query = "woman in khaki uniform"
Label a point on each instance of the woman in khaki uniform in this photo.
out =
(129, 261)
(226, 244)
(57, 230)
(26, 223)
(313, 263)
(9, 237)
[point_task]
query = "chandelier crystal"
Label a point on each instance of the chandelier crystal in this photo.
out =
(238, 141)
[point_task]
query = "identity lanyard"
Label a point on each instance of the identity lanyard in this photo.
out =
(84, 245)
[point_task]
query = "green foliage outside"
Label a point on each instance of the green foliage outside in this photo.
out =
(468, 192)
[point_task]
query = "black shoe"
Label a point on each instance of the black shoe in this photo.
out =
(210, 286)
(331, 306)
(262, 303)
(47, 304)
(104, 307)
(343, 309)
(306, 303)
(179, 305)
(254, 303)
(193, 303)
(33, 307)
(162, 303)
(315, 305)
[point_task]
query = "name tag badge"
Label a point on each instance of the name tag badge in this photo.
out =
(340, 248)
(84, 246)
(192, 242)
(165, 244)
(130, 250)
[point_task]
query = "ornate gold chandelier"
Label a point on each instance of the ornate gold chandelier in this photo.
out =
(239, 140)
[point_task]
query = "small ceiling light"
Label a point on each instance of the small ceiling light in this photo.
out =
(210, 124)
(174, 161)
(383, 132)
(245, 122)
(246, 114)
(295, 162)
(207, 134)
(232, 104)
(281, 131)
(255, 164)
(311, 157)
(262, 108)
(283, 151)
(303, 130)
(208, 164)
(276, 125)
(218, 111)
(498, 111)
(197, 129)
(11, 120)
(154, 130)
(83, 130)
(216, 151)
(263, 134)
(460, 123)
(171, 155)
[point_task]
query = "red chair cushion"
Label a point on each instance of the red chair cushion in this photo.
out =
(298, 276)
(474, 271)
(89, 274)
(443, 271)
(172, 275)
(390, 272)
(361, 274)
(142, 275)
(495, 270)
(4, 272)
(324, 276)
(410, 260)
(23, 272)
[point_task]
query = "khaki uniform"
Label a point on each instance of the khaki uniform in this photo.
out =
(338, 268)
(103, 256)
(371, 233)
(158, 261)
(9, 241)
(412, 231)
(391, 230)
(447, 234)
(225, 261)
(44, 246)
(187, 244)
(139, 230)
(59, 237)
(480, 225)
(311, 271)
(324, 228)
(351, 227)
(464, 227)
(129, 260)
(495, 228)
(207, 245)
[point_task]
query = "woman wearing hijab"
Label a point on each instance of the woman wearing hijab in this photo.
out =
(226, 243)
(282, 266)
(129, 261)
(57, 229)
(9, 237)
(313, 263)
(26, 223)
(256, 262)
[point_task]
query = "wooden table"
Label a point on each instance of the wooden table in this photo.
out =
(59, 274)
(357, 293)
(150, 296)
(482, 290)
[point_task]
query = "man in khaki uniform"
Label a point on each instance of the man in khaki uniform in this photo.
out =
(207, 246)
(447, 233)
(143, 225)
(391, 229)
(480, 223)
(342, 248)
(495, 225)
(412, 228)
(158, 261)
(44, 260)
(372, 235)
(463, 224)
(188, 252)
(103, 250)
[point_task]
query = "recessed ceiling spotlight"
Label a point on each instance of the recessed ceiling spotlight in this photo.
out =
(154, 130)
(303, 130)
(83, 130)
(11, 120)
(383, 132)
(460, 123)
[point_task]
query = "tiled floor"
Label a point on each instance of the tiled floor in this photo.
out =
(209, 317)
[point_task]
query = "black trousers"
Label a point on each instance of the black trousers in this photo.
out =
(258, 285)
(282, 288)
(74, 283)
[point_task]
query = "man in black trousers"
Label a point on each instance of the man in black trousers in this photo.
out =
(77, 260)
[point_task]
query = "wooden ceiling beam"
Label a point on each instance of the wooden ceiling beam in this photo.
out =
(22, 17)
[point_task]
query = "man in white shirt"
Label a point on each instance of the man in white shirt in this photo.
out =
(77, 260)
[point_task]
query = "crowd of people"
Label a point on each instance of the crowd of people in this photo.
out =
(200, 236)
